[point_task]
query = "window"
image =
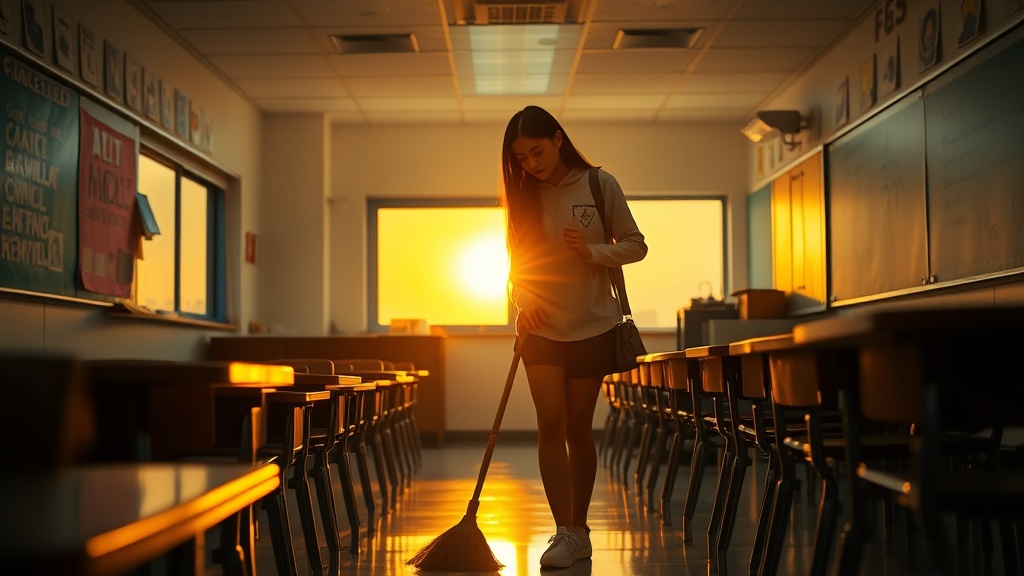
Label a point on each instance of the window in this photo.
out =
(178, 269)
(445, 261)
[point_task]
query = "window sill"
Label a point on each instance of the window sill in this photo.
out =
(121, 310)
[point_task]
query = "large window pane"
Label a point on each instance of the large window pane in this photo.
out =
(686, 247)
(155, 271)
(447, 265)
(194, 246)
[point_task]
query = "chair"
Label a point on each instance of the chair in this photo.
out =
(952, 374)
(806, 385)
(293, 449)
(673, 366)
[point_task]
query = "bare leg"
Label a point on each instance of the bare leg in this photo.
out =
(581, 400)
(548, 388)
(566, 448)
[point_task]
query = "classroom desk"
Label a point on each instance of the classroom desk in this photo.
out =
(106, 519)
(945, 370)
(160, 410)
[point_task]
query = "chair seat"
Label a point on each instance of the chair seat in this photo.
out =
(979, 491)
(872, 446)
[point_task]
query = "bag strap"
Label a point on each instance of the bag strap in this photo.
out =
(614, 273)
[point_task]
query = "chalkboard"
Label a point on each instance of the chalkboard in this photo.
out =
(974, 117)
(38, 206)
(877, 210)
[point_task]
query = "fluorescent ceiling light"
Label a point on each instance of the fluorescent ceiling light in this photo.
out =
(519, 59)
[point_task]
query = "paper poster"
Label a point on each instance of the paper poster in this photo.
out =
(107, 233)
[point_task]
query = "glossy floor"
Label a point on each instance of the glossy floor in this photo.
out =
(515, 520)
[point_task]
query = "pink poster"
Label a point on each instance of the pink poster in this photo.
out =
(106, 208)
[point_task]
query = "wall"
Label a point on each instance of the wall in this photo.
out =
(42, 324)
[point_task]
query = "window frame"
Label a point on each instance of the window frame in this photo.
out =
(216, 230)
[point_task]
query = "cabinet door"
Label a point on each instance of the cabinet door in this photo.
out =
(782, 239)
(808, 229)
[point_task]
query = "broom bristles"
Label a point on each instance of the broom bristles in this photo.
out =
(462, 548)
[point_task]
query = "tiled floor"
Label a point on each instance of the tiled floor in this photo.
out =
(514, 518)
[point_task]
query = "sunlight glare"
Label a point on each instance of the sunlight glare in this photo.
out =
(484, 266)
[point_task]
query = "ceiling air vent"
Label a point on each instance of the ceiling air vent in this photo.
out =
(512, 12)
(374, 43)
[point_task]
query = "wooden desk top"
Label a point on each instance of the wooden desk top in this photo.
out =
(761, 345)
(886, 324)
(659, 356)
(107, 519)
(128, 371)
(707, 351)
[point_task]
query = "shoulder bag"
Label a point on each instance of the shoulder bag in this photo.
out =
(628, 345)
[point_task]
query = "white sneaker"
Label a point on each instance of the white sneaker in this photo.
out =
(565, 549)
(586, 550)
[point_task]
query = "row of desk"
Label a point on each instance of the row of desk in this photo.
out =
(110, 464)
(901, 406)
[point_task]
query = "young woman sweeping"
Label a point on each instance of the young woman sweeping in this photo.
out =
(561, 289)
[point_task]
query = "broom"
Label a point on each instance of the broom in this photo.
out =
(463, 548)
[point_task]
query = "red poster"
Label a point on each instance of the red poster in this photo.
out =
(106, 209)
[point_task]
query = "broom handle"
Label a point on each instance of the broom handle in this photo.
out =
(475, 502)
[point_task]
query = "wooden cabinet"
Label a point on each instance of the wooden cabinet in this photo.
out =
(425, 352)
(798, 235)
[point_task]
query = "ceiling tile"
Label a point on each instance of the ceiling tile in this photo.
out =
(367, 13)
(408, 104)
(783, 34)
(398, 87)
(761, 82)
(369, 65)
(595, 84)
(753, 59)
(227, 14)
(634, 61)
(273, 66)
(310, 105)
(293, 88)
(746, 100)
(258, 41)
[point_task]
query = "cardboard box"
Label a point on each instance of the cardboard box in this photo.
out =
(760, 303)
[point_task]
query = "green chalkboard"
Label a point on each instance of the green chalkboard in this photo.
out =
(974, 116)
(38, 205)
(877, 215)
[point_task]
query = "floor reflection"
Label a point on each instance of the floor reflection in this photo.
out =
(514, 518)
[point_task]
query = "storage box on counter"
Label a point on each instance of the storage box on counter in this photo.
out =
(760, 303)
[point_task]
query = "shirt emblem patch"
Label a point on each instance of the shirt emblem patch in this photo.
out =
(584, 214)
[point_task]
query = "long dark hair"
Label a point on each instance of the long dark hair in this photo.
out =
(519, 188)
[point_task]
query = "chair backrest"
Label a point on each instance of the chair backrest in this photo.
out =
(307, 365)
(357, 364)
